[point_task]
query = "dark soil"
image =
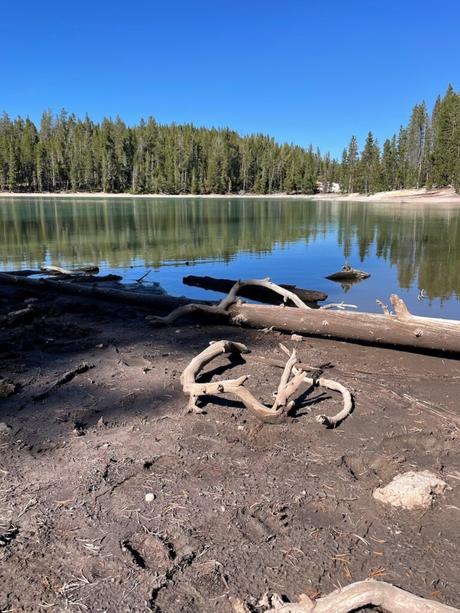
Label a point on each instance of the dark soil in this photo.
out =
(240, 508)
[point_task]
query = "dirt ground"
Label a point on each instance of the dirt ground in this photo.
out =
(239, 508)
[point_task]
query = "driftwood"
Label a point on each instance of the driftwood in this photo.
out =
(360, 594)
(291, 379)
(57, 270)
(401, 329)
(349, 274)
(21, 316)
(63, 379)
(258, 293)
(88, 278)
(155, 302)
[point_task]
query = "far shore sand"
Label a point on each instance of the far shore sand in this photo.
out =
(420, 196)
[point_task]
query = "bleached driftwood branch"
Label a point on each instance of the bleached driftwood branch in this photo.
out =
(291, 379)
(366, 593)
(222, 307)
(335, 420)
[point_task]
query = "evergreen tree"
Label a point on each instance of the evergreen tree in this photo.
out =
(65, 152)
(370, 166)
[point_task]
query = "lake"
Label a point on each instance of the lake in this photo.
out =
(406, 248)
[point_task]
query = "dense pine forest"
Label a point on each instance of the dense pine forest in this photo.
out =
(67, 153)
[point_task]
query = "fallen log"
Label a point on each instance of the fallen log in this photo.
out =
(155, 302)
(25, 272)
(57, 270)
(258, 293)
(88, 278)
(401, 329)
(414, 333)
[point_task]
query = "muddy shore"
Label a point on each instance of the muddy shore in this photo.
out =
(239, 508)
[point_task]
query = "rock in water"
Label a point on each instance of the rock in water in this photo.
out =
(411, 490)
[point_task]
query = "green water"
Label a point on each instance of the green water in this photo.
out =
(406, 248)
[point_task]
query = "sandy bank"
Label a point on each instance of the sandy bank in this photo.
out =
(421, 196)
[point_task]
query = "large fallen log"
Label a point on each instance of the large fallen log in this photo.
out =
(155, 302)
(401, 329)
(258, 293)
(414, 333)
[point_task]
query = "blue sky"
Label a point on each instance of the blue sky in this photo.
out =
(304, 72)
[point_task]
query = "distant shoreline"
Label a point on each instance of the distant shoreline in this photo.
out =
(420, 196)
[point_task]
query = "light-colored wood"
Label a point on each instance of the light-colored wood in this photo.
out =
(291, 379)
(366, 593)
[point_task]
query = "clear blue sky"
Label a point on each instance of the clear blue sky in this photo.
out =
(302, 71)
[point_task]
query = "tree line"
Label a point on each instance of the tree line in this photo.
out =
(67, 153)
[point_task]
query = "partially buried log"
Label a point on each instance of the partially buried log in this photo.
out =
(258, 293)
(368, 593)
(291, 379)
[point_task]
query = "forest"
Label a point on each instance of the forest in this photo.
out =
(66, 153)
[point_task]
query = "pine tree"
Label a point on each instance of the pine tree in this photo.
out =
(446, 138)
(370, 165)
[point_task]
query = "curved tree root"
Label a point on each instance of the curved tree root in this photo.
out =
(291, 379)
(366, 593)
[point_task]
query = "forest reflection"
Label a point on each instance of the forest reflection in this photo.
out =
(423, 242)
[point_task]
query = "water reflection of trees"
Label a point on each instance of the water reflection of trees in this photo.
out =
(423, 242)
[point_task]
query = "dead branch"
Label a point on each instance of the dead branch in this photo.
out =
(362, 594)
(274, 414)
(260, 294)
(291, 379)
(222, 307)
(335, 420)
(57, 270)
(341, 306)
(65, 378)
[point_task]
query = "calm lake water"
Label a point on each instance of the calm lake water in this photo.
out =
(406, 248)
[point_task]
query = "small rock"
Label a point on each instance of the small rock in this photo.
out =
(5, 429)
(7, 388)
(411, 490)
(149, 497)
(297, 338)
